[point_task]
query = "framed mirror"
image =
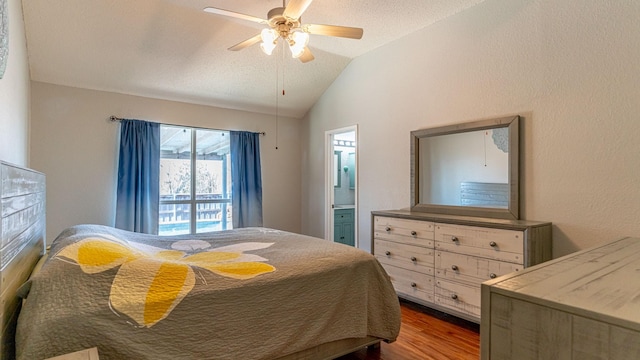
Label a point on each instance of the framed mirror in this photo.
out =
(469, 169)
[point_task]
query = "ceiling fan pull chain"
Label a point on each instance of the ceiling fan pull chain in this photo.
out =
(277, 97)
(283, 61)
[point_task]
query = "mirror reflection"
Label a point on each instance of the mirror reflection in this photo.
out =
(466, 169)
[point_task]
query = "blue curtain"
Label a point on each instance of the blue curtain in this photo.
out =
(138, 196)
(246, 176)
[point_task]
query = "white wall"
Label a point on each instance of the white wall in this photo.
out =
(14, 93)
(76, 146)
(569, 67)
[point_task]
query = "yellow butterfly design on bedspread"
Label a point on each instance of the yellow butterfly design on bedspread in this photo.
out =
(151, 281)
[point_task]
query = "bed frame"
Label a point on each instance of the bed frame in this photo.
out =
(334, 349)
(22, 242)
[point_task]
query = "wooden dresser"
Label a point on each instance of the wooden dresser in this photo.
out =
(584, 305)
(441, 260)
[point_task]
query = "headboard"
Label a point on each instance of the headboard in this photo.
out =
(22, 242)
(484, 194)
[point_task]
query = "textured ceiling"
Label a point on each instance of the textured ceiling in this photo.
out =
(171, 49)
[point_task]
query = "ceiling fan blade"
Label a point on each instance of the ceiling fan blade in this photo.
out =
(333, 30)
(235, 15)
(306, 55)
(254, 40)
(295, 8)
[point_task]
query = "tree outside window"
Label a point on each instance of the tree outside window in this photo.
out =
(205, 153)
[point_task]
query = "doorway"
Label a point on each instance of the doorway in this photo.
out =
(342, 190)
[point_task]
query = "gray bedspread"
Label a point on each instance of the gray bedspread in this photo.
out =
(251, 293)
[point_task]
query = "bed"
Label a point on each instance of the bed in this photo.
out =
(253, 293)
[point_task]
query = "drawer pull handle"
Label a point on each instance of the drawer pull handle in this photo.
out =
(493, 244)
(413, 233)
(454, 238)
(387, 229)
(413, 258)
(493, 276)
(454, 267)
(454, 296)
(414, 285)
(388, 253)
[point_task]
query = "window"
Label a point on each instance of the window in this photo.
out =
(195, 181)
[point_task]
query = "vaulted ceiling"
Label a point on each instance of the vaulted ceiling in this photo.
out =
(172, 49)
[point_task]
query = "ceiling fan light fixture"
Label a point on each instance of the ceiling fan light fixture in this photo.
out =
(269, 40)
(296, 52)
(267, 48)
(298, 41)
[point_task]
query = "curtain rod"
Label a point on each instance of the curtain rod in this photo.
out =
(115, 118)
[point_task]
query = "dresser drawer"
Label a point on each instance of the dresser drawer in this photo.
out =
(471, 268)
(408, 257)
(411, 283)
(457, 296)
(413, 232)
(498, 244)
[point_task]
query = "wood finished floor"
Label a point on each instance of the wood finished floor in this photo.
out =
(427, 335)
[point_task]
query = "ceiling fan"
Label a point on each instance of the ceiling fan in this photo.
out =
(284, 22)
